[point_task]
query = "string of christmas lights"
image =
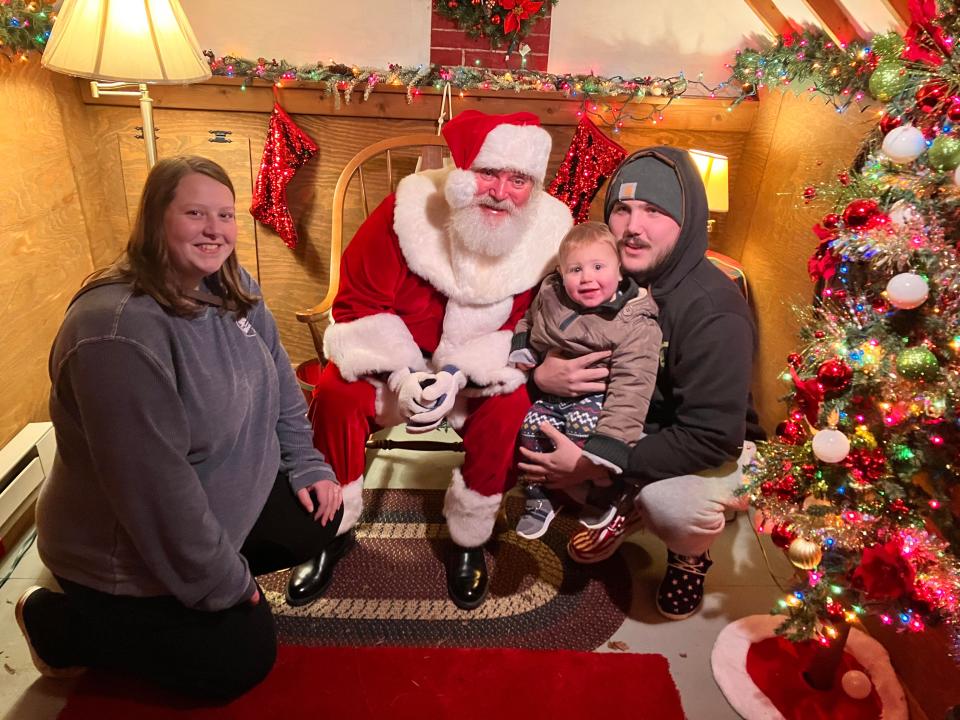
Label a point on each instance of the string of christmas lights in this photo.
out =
(24, 27)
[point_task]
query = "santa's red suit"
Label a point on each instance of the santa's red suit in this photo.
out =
(410, 297)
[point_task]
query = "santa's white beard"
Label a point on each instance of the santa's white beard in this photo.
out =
(484, 234)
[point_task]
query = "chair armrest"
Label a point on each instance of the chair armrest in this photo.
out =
(316, 313)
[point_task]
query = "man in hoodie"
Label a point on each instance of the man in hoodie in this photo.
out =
(701, 424)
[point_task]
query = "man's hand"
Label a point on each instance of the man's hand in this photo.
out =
(329, 495)
(564, 467)
(569, 378)
(255, 598)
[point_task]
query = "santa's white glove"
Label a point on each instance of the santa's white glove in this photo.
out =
(439, 393)
(407, 384)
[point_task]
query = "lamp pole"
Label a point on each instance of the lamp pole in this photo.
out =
(98, 88)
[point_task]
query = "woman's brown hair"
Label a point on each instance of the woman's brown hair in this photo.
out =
(146, 262)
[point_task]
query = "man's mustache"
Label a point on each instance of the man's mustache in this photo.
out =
(635, 241)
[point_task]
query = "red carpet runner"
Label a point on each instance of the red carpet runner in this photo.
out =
(421, 683)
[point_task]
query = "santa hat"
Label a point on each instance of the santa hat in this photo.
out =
(497, 142)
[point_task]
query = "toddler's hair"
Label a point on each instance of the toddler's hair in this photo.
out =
(586, 234)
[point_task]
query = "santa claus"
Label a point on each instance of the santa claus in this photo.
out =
(431, 288)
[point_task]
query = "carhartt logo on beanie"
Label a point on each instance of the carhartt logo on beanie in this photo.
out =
(496, 142)
(647, 178)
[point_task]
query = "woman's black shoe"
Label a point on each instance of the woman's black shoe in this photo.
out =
(311, 579)
(467, 577)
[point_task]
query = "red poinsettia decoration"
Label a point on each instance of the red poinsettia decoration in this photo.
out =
(884, 573)
(518, 10)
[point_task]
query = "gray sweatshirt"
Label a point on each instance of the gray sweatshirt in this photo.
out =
(170, 434)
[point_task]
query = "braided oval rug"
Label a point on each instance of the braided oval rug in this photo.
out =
(391, 588)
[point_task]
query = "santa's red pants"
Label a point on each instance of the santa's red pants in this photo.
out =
(342, 414)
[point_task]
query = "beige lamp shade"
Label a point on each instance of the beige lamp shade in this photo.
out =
(145, 41)
(714, 170)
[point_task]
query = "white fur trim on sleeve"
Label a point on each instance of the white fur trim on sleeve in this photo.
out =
(470, 515)
(371, 344)
(479, 358)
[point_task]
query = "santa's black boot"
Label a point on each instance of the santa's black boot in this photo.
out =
(467, 579)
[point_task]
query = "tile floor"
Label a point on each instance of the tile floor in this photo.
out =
(739, 584)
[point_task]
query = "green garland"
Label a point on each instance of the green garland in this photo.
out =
(492, 18)
(25, 26)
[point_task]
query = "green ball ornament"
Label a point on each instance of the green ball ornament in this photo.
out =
(944, 153)
(918, 363)
(887, 47)
(888, 80)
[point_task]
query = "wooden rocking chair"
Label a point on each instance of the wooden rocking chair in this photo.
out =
(430, 148)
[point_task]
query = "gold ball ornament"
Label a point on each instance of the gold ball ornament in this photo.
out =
(918, 363)
(804, 554)
(944, 153)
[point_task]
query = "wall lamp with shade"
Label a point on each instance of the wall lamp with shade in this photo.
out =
(714, 170)
(126, 44)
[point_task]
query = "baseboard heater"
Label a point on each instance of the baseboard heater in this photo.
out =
(24, 463)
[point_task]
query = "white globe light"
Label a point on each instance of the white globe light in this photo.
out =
(830, 446)
(856, 684)
(904, 144)
(907, 291)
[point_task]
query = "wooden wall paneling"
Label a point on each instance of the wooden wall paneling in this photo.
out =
(836, 20)
(900, 10)
(233, 156)
(82, 145)
(44, 254)
(809, 145)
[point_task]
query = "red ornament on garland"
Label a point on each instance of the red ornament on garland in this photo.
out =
(495, 19)
(889, 122)
(931, 95)
(809, 193)
(830, 221)
(843, 177)
(858, 213)
(285, 151)
(953, 110)
(795, 360)
(590, 160)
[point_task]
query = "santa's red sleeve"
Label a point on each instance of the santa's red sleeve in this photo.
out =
(367, 336)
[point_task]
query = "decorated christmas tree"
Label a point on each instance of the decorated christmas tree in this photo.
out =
(861, 485)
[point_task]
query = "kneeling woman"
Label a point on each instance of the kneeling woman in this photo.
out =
(185, 463)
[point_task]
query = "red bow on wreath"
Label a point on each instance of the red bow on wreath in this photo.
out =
(518, 10)
(925, 40)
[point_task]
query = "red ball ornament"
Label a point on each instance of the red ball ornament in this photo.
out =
(809, 193)
(953, 110)
(843, 177)
(834, 610)
(791, 432)
(795, 360)
(859, 212)
(889, 122)
(878, 220)
(835, 376)
(819, 334)
(931, 95)
(495, 19)
(452, 4)
(830, 221)
(782, 535)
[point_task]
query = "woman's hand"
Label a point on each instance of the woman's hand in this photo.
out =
(562, 468)
(569, 378)
(329, 495)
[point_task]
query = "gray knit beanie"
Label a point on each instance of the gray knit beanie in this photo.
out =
(649, 179)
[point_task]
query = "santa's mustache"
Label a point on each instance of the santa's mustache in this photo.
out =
(505, 204)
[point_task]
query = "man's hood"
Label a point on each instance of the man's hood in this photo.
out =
(692, 242)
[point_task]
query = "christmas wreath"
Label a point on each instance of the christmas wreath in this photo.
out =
(505, 22)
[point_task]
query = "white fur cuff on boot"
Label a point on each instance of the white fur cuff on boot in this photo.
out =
(470, 515)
